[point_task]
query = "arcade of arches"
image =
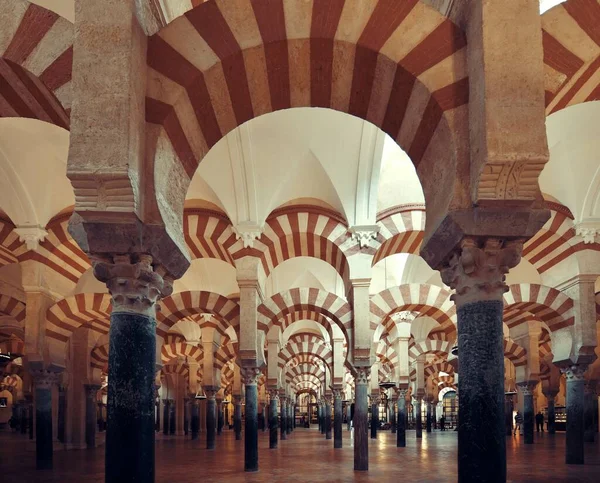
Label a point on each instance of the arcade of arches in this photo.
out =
(227, 223)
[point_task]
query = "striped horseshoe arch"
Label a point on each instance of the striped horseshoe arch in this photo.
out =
(284, 308)
(434, 346)
(524, 302)
(172, 351)
(36, 59)
(401, 230)
(399, 65)
(12, 307)
(99, 357)
(429, 300)
(9, 242)
(225, 312)
(515, 353)
(208, 234)
(571, 40)
(67, 315)
(306, 344)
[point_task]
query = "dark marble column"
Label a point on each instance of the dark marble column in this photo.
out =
(428, 422)
(360, 421)
(250, 376)
(91, 414)
(551, 414)
(393, 416)
(166, 412)
(172, 416)
(43, 382)
(62, 407)
(575, 414)
(374, 415)
(589, 409)
(211, 417)
(237, 418)
(290, 414)
(195, 417)
(320, 417)
(328, 418)
(508, 418)
(24, 418)
(283, 419)
(526, 390)
(337, 418)
(29, 399)
(274, 394)
(186, 416)
(401, 420)
(157, 416)
(220, 417)
(419, 418)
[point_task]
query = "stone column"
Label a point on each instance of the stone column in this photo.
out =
(250, 376)
(135, 288)
(91, 414)
(508, 417)
(42, 382)
(29, 399)
(401, 422)
(476, 271)
(418, 419)
(220, 418)
(526, 389)
(274, 394)
(23, 418)
(590, 412)
(374, 415)
(320, 417)
(172, 416)
(575, 413)
(166, 413)
(195, 416)
(361, 410)
(551, 413)
(157, 404)
(290, 414)
(211, 417)
(337, 418)
(393, 416)
(428, 422)
(237, 418)
(283, 419)
(327, 418)
(186, 416)
(62, 407)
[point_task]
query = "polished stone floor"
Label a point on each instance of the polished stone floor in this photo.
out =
(305, 457)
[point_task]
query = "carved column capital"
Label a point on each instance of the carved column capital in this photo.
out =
(338, 394)
(375, 398)
(237, 399)
(363, 374)
(274, 394)
(574, 372)
(527, 388)
(91, 390)
(211, 393)
(250, 375)
(43, 379)
(132, 282)
(477, 270)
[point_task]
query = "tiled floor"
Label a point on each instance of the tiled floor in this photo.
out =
(305, 457)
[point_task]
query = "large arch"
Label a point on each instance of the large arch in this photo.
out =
(401, 230)
(222, 64)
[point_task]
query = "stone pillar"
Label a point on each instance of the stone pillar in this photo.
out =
(361, 439)
(327, 418)
(186, 416)
(237, 417)
(590, 412)
(23, 418)
(508, 417)
(476, 272)
(401, 422)
(211, 417)
(135, 288)
(250, 376)
(526, 389)
(337, 418)
(320, 417)
(551, 413)
(62, 407)
(166, 413)
(30, 411)
(172, 416)
(157, 404)
(283, 419)
(220, 418)
(393, 416)
(418, 419)
(274, 394)
(575, 413)
(290, 414)
(374, 415)
(91, 414)
(42, 382)
(428, 422)
(195, 417)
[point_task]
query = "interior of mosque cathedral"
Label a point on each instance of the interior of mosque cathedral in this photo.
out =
(349, 234)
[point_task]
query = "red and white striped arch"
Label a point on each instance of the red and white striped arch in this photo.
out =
(12, 307)
(429, 300)
(99, 357)
(8, 383)
(36, 58)
(225, 312)
(515, 353)
(208, 234)
(437, 367)
(181, 368)
(306, 344)
(434, 346)
(9, 242)
(85, 309)
(224, 63)
(283, 309)
(525, 302)
(225, 354)
(401, 230)
(571, 40)
(180, 349)
(552, 244)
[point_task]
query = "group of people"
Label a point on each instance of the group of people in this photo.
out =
(539, 422)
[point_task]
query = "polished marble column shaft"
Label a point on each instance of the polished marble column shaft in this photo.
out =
(360, 421)
(401, 420)
(211, 419)
(575, 414)
(337, 419)
(273, 420)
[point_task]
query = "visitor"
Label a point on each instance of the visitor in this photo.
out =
(443, 423)
(518, 423)
(539, 421)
